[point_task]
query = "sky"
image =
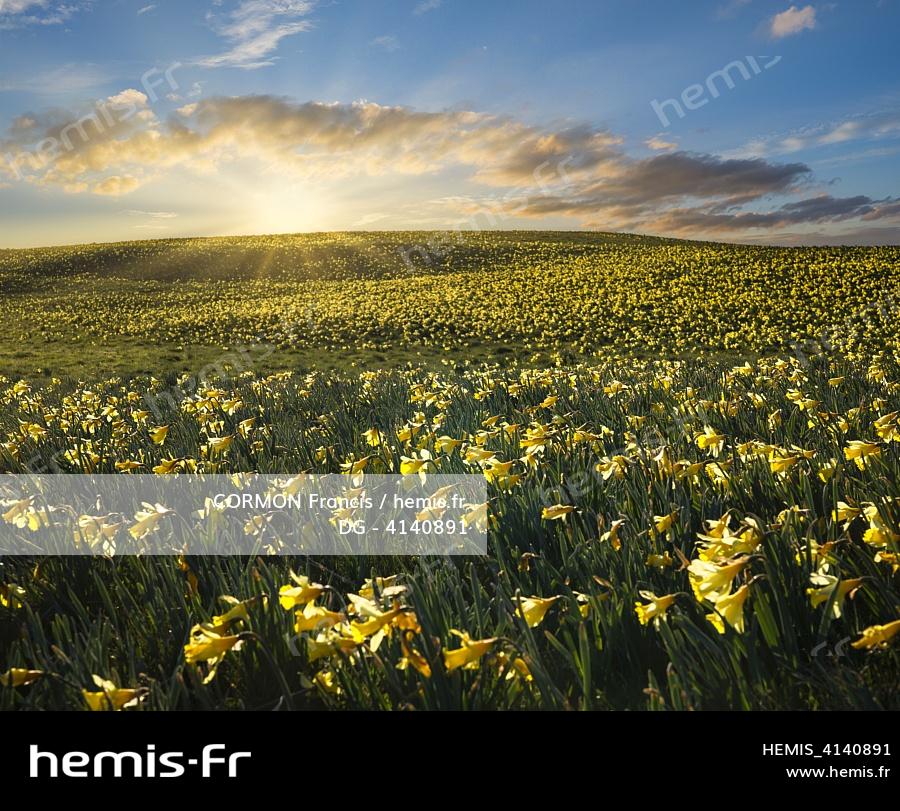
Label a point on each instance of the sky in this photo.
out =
(756, 121)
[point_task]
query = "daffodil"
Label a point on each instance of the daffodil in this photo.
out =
(533, 609)
(468, 654)
(824, 586)
(11, 595)
(663, 523)
(556, 512)
(159, 434)
(303, 592)
(147, 520)
(412, 657)
(877, 636)
(314, 617)
(710, 581)
(860, 452)
(612, 534)
(110, 697)
(513, 666)
(655, 609)
(709, 439)
(19, 677)
(329, 643)
(730, 609)
(662, 561)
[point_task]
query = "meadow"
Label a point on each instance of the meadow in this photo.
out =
(692, 453)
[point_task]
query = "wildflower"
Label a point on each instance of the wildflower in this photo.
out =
(387, 586)
(326, 680)
(514, 667)
(313, 617)
(612, 534)
(159, 434)
(654, 610)
(146, 520)
(659, 561)
(845, 512)
(19, 677)
(825, 585)
(891, 558)
(110, 697)
(616, 466)
(710, 440)
(782, 464)
(710, 581)
(329, 643)
(887, 429)
(879, 533)
(556, 512)
(877, 636)
(446, 444)
(859, 452)
(827, 470)
(533, 609)
(468, 654)
(664, 523)
(219, 444)
(240, 610)
(477, 516)
(304, 592)
(12, 596)
(730, 609)
(411, 656)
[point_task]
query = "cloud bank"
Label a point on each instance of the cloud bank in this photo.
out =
(510, 168)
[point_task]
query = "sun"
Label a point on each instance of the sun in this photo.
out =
(287, 208)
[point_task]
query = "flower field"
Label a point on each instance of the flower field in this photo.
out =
(692, 454)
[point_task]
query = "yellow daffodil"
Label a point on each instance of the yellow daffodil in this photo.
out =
(19, 677)
(468, 654)
(730, 609)
(533, 608)
(877, 636)
(655, 609)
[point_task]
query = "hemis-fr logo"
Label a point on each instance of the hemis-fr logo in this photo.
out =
(212, 762)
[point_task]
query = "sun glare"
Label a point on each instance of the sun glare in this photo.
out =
(282, 208)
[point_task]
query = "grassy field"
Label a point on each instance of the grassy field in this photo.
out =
(692, 452)
(382, 300)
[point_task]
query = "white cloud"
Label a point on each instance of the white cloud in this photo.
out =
(18, 6)
(426, 5)
(72, 77)
(792, 21)
(369, 219)
(254, 29)
(145, 9)
(731, 8)
(660, 144)
(884, 124)
(153, 215)
(388, 42)
(21, 13)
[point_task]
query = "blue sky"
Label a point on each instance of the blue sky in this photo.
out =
(780, 122)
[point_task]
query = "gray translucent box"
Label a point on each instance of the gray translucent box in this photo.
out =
(243, 514)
